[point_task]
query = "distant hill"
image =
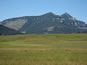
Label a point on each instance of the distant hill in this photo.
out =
(7, 31)
(45, 24)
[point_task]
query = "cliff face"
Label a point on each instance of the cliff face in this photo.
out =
(45, 24)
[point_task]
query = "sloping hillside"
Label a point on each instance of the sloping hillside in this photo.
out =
(7, 31)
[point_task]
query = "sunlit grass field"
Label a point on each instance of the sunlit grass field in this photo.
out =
(46, 49)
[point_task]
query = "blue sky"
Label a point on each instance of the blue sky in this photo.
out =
(17, 8)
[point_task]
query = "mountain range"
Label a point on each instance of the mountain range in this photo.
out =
(48, 23)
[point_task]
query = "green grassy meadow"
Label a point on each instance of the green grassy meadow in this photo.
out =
(46, 49)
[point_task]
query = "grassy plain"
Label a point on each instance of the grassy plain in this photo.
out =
(46, 49)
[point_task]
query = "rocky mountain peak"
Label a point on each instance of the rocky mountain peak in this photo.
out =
(49, 14)
(66, 15)
(47, 23)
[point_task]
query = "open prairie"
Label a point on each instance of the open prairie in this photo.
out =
(46, 49)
